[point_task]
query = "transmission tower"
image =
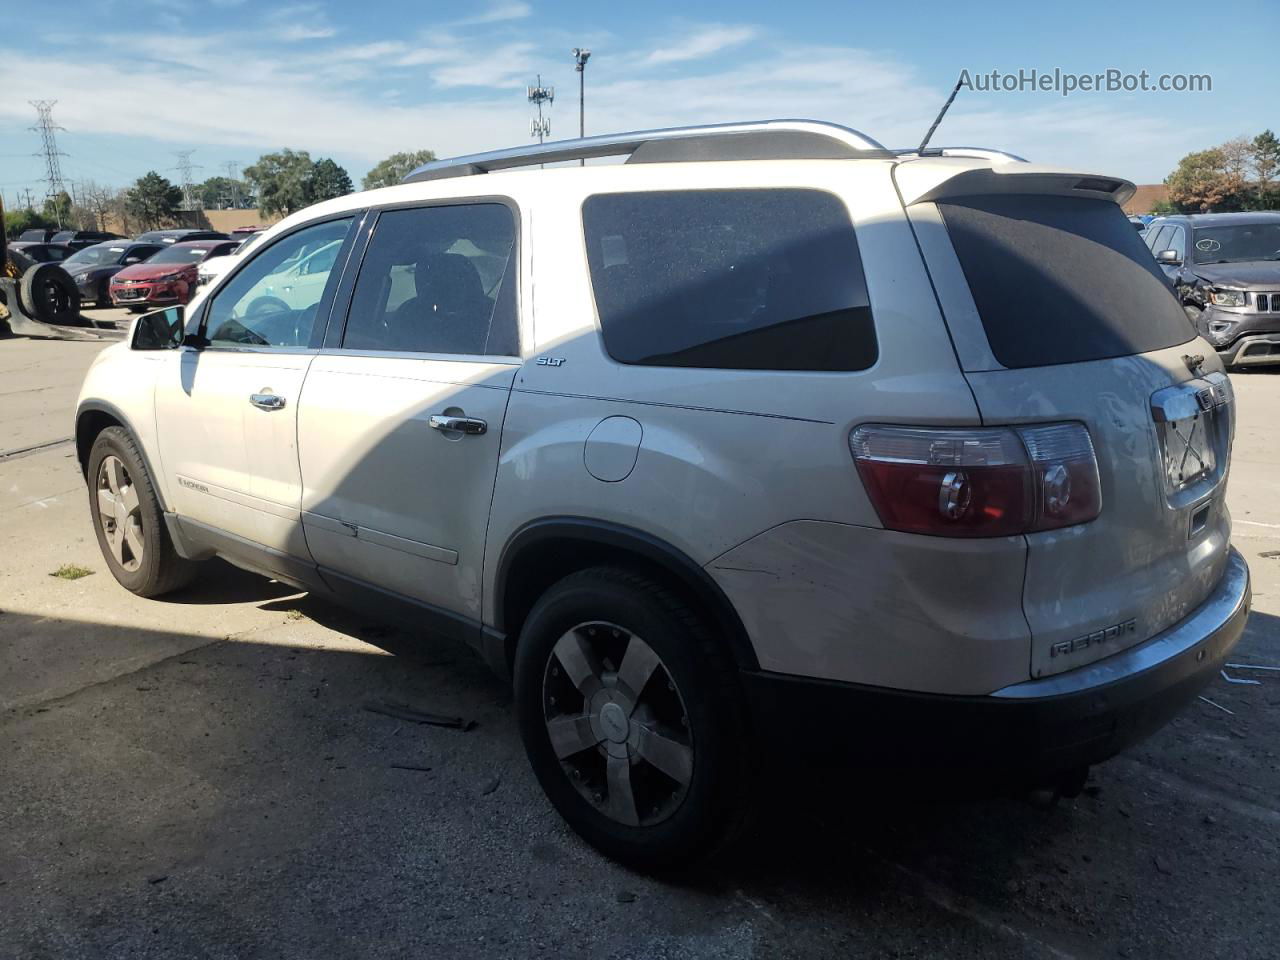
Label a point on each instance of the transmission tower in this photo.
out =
(233, 171)
(49, 149)
(184, 168)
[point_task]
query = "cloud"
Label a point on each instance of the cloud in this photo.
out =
(298, 31)
(703, 43)
(516, 10)
(460, 93)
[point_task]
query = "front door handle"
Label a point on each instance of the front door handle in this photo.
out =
(267, 401)
(468, 425)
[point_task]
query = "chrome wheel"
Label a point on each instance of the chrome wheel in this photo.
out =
(617, 723)
(119, 513)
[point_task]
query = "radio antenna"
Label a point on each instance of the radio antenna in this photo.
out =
(941, 113)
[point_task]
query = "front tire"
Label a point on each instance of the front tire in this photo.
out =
(128, 520)
(632, 719)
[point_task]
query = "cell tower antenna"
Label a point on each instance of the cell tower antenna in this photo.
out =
(538, 95)
(49, 150)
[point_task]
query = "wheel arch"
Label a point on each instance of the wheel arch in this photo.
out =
(545, 551)
(94, 416)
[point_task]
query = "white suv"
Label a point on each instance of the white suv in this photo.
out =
(769, 437)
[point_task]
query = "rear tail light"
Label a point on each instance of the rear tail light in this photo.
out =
(979, 482)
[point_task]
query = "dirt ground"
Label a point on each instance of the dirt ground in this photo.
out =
(199, 777)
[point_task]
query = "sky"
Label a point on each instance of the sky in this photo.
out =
(136, 81)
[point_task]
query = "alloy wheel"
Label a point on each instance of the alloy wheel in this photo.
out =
(617, 723)
(119, 513)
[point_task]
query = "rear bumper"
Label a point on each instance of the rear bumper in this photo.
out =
(1033, 730)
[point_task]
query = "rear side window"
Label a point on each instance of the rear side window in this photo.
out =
(438, 280)
(1061, 279)
(735, 279)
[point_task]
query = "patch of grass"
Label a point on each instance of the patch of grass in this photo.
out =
(71, 571)
(295, 614)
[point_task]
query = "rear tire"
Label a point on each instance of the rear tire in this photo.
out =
(128, 520)
(654, 777)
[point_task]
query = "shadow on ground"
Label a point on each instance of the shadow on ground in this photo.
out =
(237, 799)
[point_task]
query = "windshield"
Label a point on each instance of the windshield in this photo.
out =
(180, 255)
(103, 253)
(1239, 242)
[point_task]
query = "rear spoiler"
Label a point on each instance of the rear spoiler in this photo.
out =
(933, 179)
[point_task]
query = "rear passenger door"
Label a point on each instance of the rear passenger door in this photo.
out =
(401, 415)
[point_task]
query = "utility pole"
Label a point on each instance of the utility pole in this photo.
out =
(49, 150)
(184, 168)
(539, 95)
(580, 57)
(27, 191)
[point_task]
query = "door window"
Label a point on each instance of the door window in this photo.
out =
(438, 280)
(274, 300)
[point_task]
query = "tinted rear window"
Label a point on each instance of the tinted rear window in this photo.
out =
(1062, 280)
(739, 279)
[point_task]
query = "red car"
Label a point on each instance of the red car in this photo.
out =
(167, 278)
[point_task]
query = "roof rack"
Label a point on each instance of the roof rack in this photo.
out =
(979, 153)
(763, 140)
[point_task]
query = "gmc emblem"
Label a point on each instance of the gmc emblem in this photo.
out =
(1105, 635)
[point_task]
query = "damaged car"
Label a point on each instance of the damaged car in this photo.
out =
(1225, 268)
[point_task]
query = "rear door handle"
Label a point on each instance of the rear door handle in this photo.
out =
(468, 425)
(267, 401)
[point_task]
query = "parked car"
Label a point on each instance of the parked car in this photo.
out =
(43, 252)
(93, 267)
(1226, 270)
(743, 477)
(167, 277)
(79, 239)
(210, 270)
(179, 234)
(36, 235)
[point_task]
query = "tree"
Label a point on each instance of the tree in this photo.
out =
(58, 209)
(153, 200)
(1200, 182)
(1265, 156)
(282, 181)
(15, 221)
(393, 169)
(98, 201)
(222, 193)
(327, 180)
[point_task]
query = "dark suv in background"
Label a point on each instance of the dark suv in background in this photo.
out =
(1225, 268)
(79, 239)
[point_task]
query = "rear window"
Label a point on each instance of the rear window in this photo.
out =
(736, 279)
(1061, 279)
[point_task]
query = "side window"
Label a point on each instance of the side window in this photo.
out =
(274, 300)
(1161, 239)
(733, 279)
(1178, 241)
(438, 279)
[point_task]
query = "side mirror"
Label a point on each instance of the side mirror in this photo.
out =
(161, 330)
(1169, 258)
(128, 261)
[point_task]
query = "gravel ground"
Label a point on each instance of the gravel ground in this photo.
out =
(199, 777)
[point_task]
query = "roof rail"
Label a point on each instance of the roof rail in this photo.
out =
(979, 153)
(763, 140)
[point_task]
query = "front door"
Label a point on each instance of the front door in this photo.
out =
(227, 413)
(399, 427)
